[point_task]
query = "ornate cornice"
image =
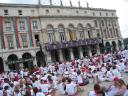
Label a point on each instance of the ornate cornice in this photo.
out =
(62, 16)
(53, 6)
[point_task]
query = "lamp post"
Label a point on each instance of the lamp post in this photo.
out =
(43, 53)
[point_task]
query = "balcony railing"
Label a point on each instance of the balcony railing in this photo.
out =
(70, 44)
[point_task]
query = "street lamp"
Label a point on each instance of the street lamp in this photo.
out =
(42, 53)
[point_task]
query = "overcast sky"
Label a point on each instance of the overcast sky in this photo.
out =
(120, 5)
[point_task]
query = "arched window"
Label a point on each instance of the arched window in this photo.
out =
(105, 33)
(50, 32)
(72, 32)
(81, 31)
(111, 32)
(61, 31)
(89, 30)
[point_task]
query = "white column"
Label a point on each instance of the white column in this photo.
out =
(71, 54)
(6, 68)
(98, 50)
(61, 55)
(35, 61)
(81, 52)
(90, 53)
(49, 59)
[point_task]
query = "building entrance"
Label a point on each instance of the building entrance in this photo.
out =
(1, 65)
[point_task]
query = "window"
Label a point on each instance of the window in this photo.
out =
(85, 12)
(37, 39)
(7, 26)
(98, 33)
(20, 12)
(77, 12)
(50, 31)
(105, 33)
(93, 14)
(33, 12)
(117, 33)
(81, 32)
(89, 34)
(96, 23)
(112, 14)
(89, 31)
(109, 23)
(34, 24)
(102, 22)
(24, 40)
(10, 41)
(5, 12)
(106, 14)
(100, 14)
(47, 11)
(58, 11)
(22, 25)
(114, 22)
(72, 32)
(102, 33)
(111, 33)
(62, 33)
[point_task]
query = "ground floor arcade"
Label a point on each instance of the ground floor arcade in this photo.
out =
(11, 60)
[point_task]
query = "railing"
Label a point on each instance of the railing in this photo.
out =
(70, 44)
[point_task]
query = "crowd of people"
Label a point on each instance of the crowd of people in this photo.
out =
(66, 78)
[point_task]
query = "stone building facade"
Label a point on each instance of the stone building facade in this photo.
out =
(39, 34)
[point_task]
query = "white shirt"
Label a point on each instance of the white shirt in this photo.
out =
(80, 79)
(44, 87)
(1, 92)
(36, 84)
(116, 73)
(113, 91)
(92, 93)
(109, 74)
(122, 66)
(126, 93)
(19, 94)
(40, 94)
(71, 88)
(61, 88)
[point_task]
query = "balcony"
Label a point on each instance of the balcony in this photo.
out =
(70, 44)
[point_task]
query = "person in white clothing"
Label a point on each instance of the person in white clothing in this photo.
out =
(116, 73)
(109, 76)
(97, 89)
(39, 93)
(71, 88)
(61, 87)
(44, 86)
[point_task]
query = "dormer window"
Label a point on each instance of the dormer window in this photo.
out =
(100, 14)
(112, 14)
(93, 14)
(85, 12)
(77, 12)
(106, 14)
(47, 11)
(5, 12)
(58, 11)
(20, 12)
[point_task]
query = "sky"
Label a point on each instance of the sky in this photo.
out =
(121, 6)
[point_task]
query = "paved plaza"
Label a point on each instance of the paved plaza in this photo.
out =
(83, 91)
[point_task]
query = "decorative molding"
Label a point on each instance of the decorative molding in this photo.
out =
(53, 6)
